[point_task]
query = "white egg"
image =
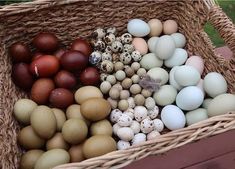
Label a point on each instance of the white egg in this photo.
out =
(115, 128)
(135, 126)
(124, 120)
(173, 117)
(125, 133)
(152, 43)
(139, 138)
(115, 114)
(189, 98)
(200, 85)
(206, 103)
(158, 125)
(149, 103)
(131, 102)
(122, 145)
(158, 73)
(179, 40)
(172, 78)
(138, 28)
(165, 47)
(146, 126)
(178, 58)
(140, 113)
(150, 60)
(153, 135)
(196, 116)
(153, 113)
(214, 84)
(187, 76)
(165, 95)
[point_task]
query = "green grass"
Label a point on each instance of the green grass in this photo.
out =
(228, 7)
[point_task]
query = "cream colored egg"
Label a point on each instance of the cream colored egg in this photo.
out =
(86, 92)
(178, 58)
(159, 74)
(196, 116)
(172, 78)
(150, 61)
(155, 27)
(165, 95)
(60, 118)
(206, 103)
(165, 47)
(152, 43)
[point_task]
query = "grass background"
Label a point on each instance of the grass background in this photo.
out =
(228, 7)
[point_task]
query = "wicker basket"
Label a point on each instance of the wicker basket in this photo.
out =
(70, 19)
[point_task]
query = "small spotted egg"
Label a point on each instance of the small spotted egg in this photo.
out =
(106, 56)
(126, 38)
(117, 46)
(136, 56)
(95, 57)
(138, 138)
(158, 125)
(108, 49)
(153, 113)
(115, 128)
(135, 126)
(99, 45)
(147, 125)
(122, 145)
(115, 57)
(106, 66)
(125, 133)
(118, 39)
(149, 103)
(125, 58)
(103, 76)
(115, 115)
(140, 113)
(109, 38)
(153, 135)
(99, 33)
(112, 30)
(124, 120)
(129, 112)
(129, 48)
(131, 102)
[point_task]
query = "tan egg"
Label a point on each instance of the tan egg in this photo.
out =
(95, 109)
(139, 100)
(86, 92)
(126, 83)
(29, 159)
(155, 27)
(28, 139)
(113, 103)
(76, 154)
(114, 93)
(123, 105)
(57, 141)
(170, 27)
(60, 118)
(74, 111)
(98, 145)
(102, 127)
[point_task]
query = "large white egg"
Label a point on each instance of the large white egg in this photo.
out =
(214, 84)
(173, 117)
(165, 47)
(152, 43)
(189, 98)
(172, 78)
(158, 73)
(150, 60)
(187, 76)
(179, 39)
(165, 95)
(179, 57)
(138, 28)
(196, 116)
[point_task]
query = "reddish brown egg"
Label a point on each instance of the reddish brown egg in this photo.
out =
(45, 66)
(65, 79)
(82, 45)
(73, 60)
(36, 55)
(90, 76)
(46, 42)
(20, 52)
(41, 90)
(22, 76)
(61, 98)
(59, 53)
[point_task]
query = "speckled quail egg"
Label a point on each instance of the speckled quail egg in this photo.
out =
(135, 126)
(129, 112)
(116, 127)
(115, 115)
(112, 30)
(103, 76)
(125, 58)
(106, 66)
(99, 33)
(149, 103)
(136, 56)
(125, 133)
(153, 113)
(158, 125)
(153, 135)
(108, 49)
(131, 102)
(109, 38)
(126, 38)
(124, 120)
(138, 138)
(106, 56)
(122, 145)
(99, 45)
(115, 57)
(140, 113)
(117, 46)
(129, 48)
(95, 57)
(147, 125)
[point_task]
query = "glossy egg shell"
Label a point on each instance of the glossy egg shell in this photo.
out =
(20, 52)
(82, 45)
(90, 76)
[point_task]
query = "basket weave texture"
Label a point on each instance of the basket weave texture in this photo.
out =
(70, 19)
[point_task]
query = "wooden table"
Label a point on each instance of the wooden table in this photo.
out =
(217, 152)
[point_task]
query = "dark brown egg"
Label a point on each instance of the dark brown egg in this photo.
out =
(61, 98)
(41, 90)
(20, 52)
(65, 79)
(45, 66)
(46, 42)
(21, 76)
(83, 46)
(36, 55)
(73, 60)
(59, 53)
(90, 76)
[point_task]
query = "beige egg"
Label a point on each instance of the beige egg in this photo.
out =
(86, 92)
(170, 27)
(165, 95)
(140, 45)
(123, 105)
(60, 118)
(57, 141)
(196, 116)
(102, 127)
(29, 159)
(76, 153)
(155, 27)
(159, 74)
